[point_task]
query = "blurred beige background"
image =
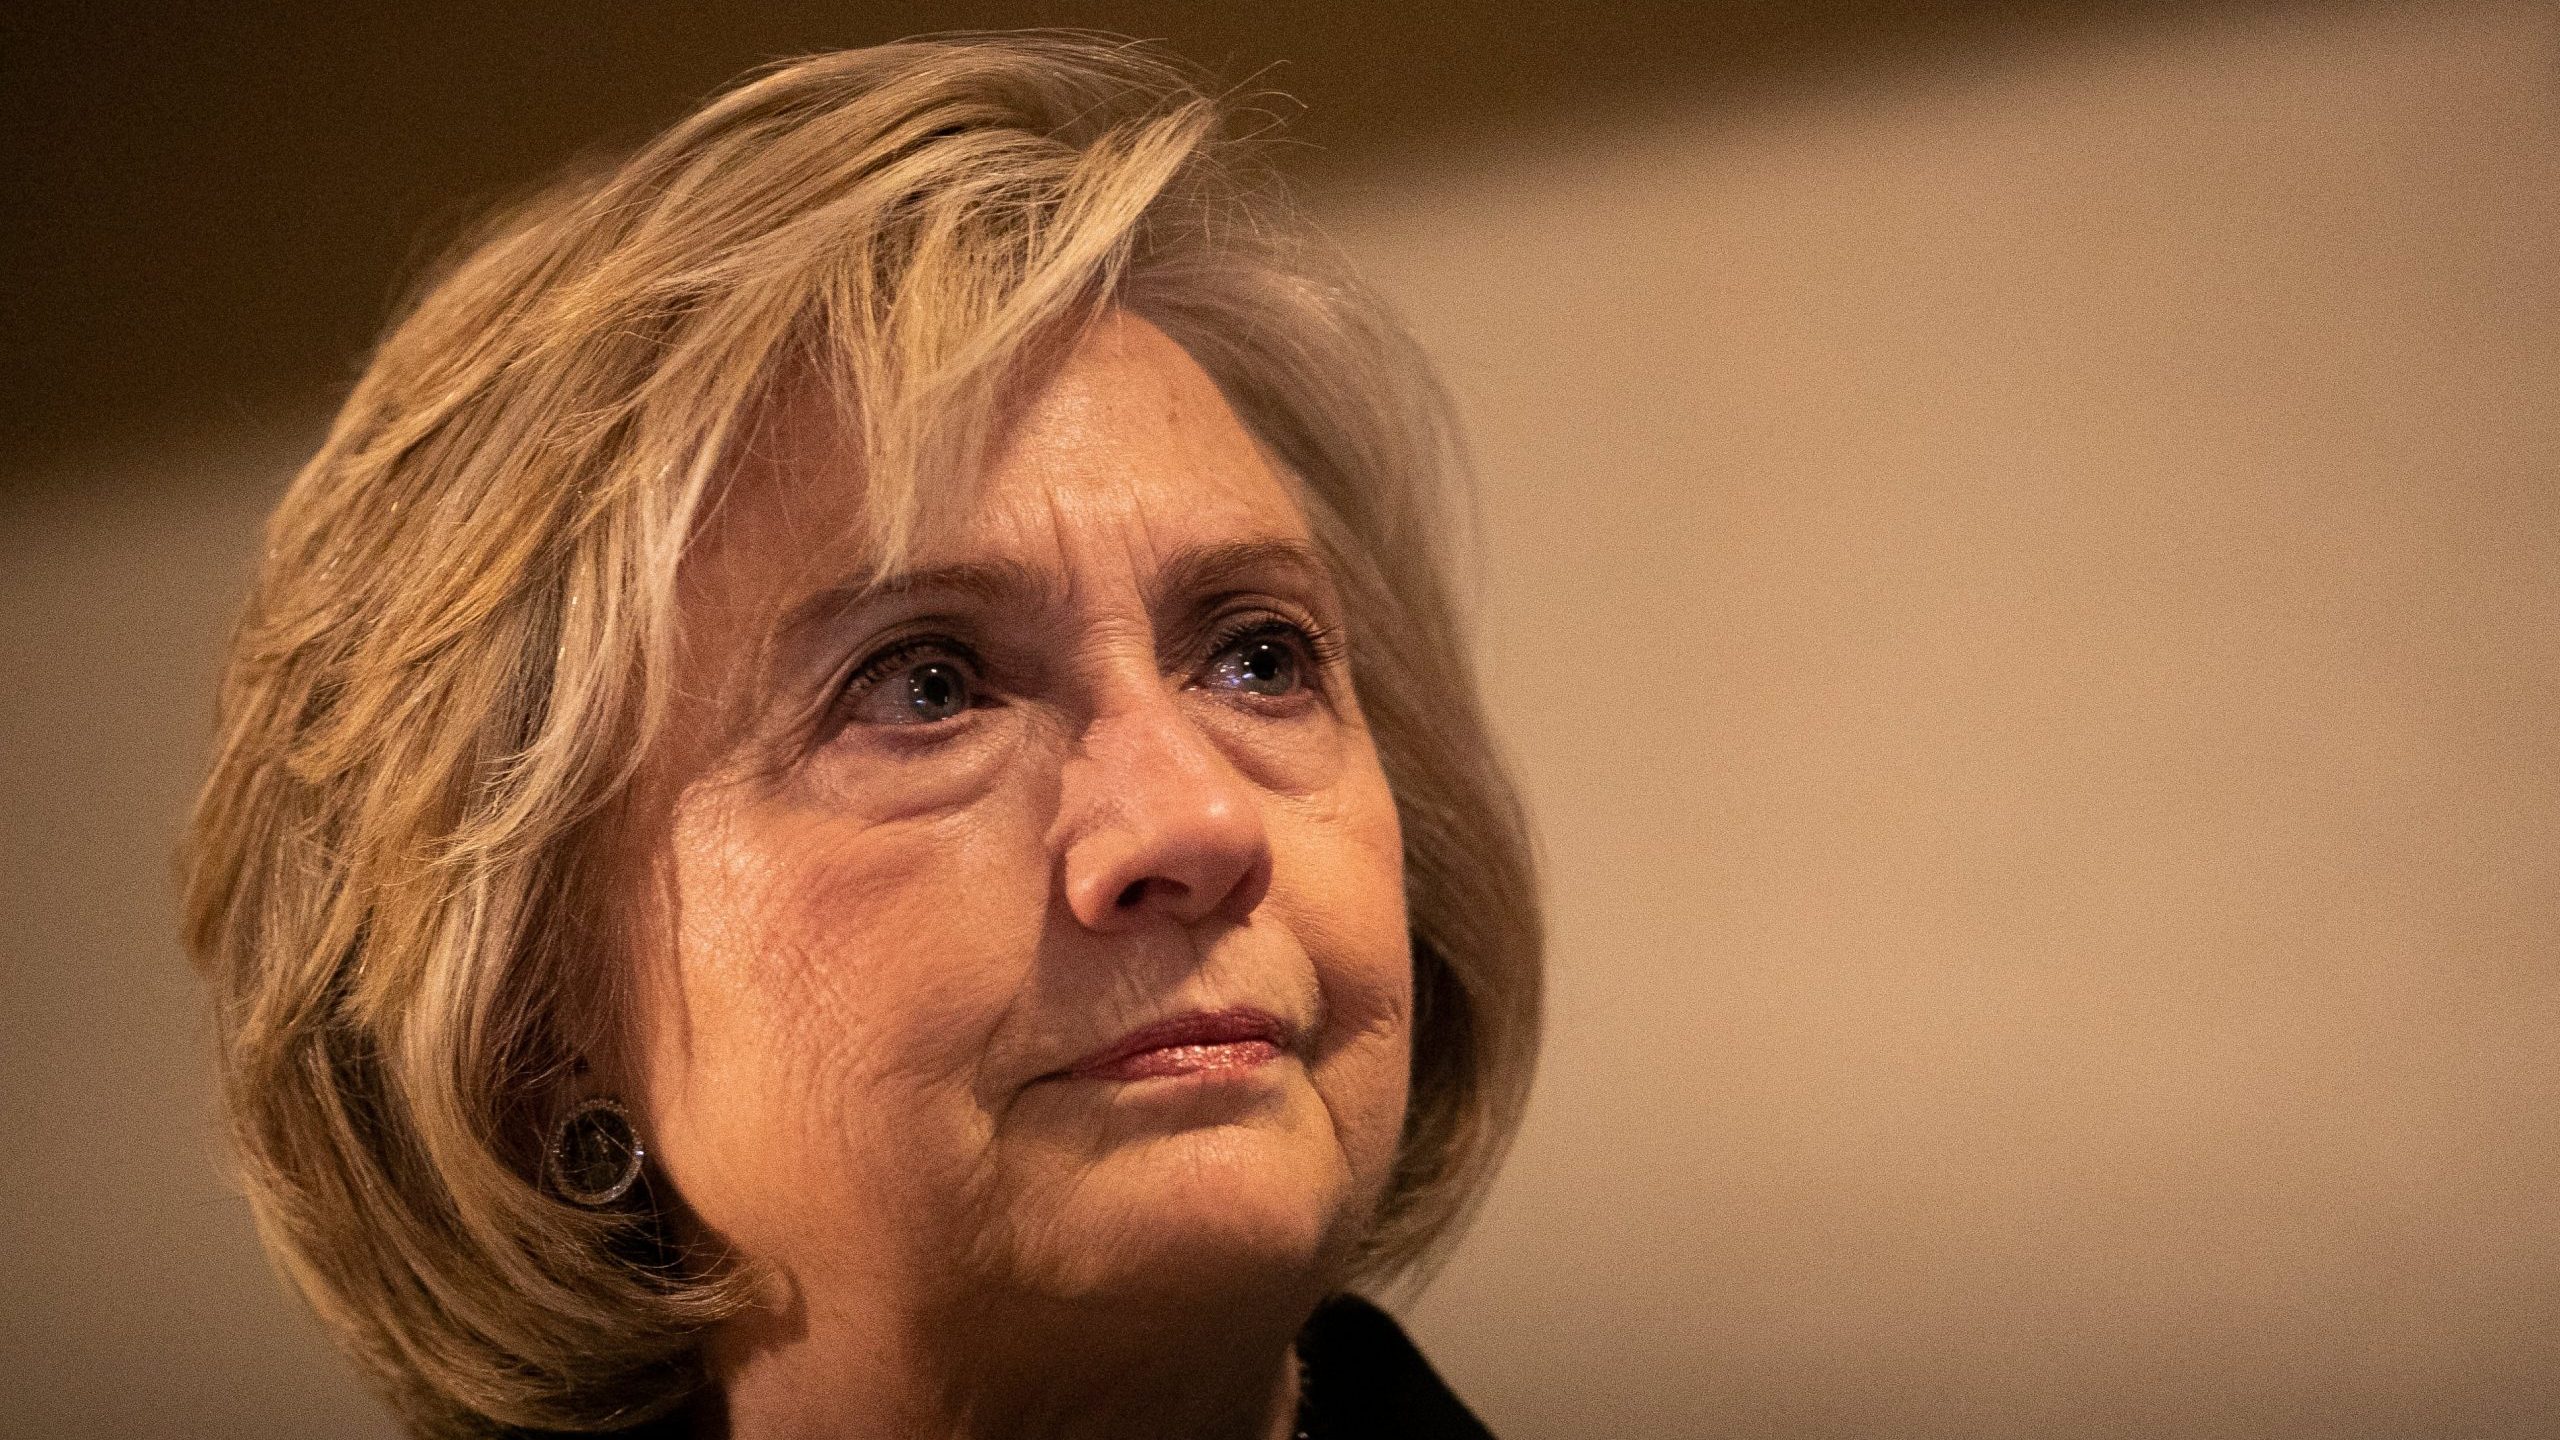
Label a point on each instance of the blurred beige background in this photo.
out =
(2022, 578)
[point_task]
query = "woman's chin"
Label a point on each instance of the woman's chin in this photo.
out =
(1194, 1214)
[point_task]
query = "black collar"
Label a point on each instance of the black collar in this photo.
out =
(1364, 1379)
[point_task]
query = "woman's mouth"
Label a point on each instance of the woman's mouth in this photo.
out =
(1204, 1040)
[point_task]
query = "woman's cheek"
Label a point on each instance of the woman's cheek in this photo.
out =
(804, 929)
(901, 943)
(1347, 906)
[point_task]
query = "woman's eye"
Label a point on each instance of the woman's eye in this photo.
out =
(1266, 663)
(914, 692)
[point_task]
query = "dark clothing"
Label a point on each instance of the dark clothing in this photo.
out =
(1365, 1381)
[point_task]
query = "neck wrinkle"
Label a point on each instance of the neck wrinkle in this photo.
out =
(806, 1379)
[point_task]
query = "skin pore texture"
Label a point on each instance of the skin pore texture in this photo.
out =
(920, 859)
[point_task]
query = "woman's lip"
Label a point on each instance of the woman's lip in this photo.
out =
(1201, 1040)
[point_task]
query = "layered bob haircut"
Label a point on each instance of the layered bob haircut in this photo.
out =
(457, 654)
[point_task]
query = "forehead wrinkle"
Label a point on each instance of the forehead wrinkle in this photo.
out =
(1166, 573)
(1268, 543)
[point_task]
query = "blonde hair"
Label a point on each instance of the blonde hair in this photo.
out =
(457, 650)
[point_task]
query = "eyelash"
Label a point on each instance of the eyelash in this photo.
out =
(1322, 644)
(884, 662)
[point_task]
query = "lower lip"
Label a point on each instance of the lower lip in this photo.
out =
(1231, 1055)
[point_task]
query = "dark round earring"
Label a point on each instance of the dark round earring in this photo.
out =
(595, 1154)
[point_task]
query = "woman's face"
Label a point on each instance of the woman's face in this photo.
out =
(1037, 922)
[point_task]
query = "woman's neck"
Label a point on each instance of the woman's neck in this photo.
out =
(1022, 1371)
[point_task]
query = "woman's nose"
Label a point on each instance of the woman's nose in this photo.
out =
(1160, 823)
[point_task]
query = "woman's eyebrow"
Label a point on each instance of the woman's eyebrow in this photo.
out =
(990, 582)
(1237, 564)
(1188, 574)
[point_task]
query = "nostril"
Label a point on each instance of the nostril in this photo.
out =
(1136, 892)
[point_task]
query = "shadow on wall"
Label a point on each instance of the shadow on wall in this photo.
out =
(213, 208)
(2023, 583)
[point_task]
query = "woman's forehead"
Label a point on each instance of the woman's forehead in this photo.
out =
(1125, 457)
